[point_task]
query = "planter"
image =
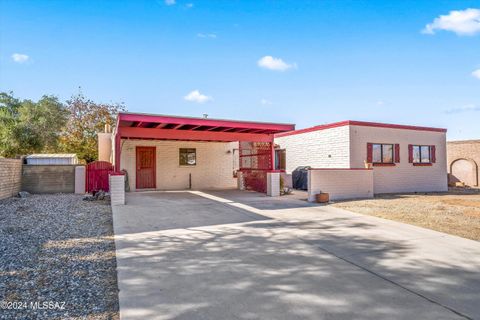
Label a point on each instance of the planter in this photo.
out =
(322, 197)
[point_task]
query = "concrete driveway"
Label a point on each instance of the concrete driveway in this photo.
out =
(241, 255)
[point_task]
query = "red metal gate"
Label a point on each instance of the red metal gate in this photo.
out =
(255, 162)
(97, 175)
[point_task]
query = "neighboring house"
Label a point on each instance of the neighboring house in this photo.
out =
(52, 158)
(463, 158)
(404, 158)
(351, 158)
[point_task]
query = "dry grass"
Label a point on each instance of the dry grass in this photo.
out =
(456, 212)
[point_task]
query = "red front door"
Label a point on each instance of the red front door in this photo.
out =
(145, 167)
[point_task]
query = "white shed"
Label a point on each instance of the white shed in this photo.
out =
(52, 158)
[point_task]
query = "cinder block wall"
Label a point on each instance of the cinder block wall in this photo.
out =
(463, 159)
(48, 178)
(340, 184)
(10, 177)
(328, 148)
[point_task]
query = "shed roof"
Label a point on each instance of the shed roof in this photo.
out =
(51, 155)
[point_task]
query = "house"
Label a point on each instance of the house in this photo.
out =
(403, 158)
(463, 158)
(349, 159)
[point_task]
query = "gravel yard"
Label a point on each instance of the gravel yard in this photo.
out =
(58, 249)
(456, 212)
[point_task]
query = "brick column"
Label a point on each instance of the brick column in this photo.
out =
(273, 184)
(117, 189)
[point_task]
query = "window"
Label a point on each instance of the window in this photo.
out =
(280, 159)
(188, 157)
(382, 153)
(421, 154)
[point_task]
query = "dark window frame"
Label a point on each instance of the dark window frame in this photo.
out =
(183, 156)
(278, 159)
(381, 152)
(419, 146)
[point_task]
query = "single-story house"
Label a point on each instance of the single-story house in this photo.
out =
(349, 159)
(403, 158)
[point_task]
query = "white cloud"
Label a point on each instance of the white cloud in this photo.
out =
(170, 2)
(196, 96)
(265, 102)
(465, 108)
(476, 73)
(207, 35)
(462, 22)
(277, 64)
(20, 58)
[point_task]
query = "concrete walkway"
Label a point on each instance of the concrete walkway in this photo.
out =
(240, 255)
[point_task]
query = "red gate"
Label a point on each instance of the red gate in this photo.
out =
(97, 175)
(255, 162)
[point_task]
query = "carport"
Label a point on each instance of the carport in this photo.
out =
(163, 152)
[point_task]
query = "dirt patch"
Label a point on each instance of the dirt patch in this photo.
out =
(58, 250)
(455, 212)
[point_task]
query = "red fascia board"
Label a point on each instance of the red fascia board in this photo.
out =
(340, 169)
(205, 122)
(359, 123)
(171, 134)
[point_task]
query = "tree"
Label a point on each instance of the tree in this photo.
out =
(86, 119)
(30, 127)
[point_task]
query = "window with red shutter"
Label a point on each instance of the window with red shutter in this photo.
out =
(433, 157)
(369, 152)
(410, 153)
(397, 153)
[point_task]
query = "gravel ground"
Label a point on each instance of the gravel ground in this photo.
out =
(456, 212)
(57, 249)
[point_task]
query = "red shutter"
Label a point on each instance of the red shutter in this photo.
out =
(410, 153)
(397, 153)
(433, 157)
(369, 153)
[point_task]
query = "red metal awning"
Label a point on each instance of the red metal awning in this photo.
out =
(165, 127)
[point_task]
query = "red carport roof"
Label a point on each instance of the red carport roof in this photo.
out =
(151, 126)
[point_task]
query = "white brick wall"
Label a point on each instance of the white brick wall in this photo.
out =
(340, 184)
(214, 169)
(329, 148)
(403, 177)
(117, 189)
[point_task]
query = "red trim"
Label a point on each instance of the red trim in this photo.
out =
(433, 157)
(170, 134)
(120, 173)
(381, 164)
(422, 164)
(359, 123)
(340, 169)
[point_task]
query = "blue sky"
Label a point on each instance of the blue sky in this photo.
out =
(303, 62)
